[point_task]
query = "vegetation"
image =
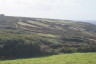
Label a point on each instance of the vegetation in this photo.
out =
(20, 38)
(37, 23)
(74, 58)
(25, 24)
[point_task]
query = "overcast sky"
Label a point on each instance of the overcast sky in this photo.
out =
(57, 9)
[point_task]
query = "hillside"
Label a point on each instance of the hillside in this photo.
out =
(47, 26)
(39, 36)
(89, 21)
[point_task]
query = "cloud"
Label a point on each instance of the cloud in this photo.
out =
(18, 3)
(39, 8)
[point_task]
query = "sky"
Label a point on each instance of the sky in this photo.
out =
(56, 9)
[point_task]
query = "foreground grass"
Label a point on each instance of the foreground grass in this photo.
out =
(74, 58)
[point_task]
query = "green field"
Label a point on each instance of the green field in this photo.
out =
(38, 23)
(74, 58)
(25, 24)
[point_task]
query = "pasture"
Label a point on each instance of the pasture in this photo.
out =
(72, 58)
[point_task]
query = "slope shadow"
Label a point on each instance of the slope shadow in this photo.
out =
(4, 59)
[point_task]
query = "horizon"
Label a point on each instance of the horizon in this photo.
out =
(51, 18)
(54, 9)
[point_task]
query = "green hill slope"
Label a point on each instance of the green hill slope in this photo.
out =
(46, 36)
(48, 26)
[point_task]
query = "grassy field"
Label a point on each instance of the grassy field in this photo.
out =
(74, 58)
(37, 23)
(47, 35)
(25, 24)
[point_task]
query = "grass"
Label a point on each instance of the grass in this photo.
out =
(47, 35)
(25, 24)
(74, 58)
(38, 23)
